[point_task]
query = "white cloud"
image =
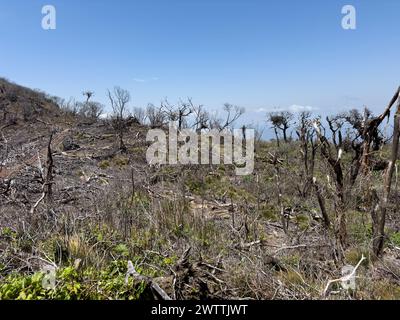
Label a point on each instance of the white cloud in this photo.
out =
(262, 110)
(295, 108)
(140, 80)
(299, 108)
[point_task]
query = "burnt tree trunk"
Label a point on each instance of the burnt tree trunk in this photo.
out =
(321, 202)
(340, 221)
(379, 218)
(277, 137)
(368, 131)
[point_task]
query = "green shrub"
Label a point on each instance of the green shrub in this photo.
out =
(121, 161)
(104, 164)
(395, 238)
(71, 284)
(269, 212)
(122, 250)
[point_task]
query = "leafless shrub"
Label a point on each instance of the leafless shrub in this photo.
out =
(140, 115)
(231, 114)
(156, 116)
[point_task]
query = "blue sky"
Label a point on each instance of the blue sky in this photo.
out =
(257, 54)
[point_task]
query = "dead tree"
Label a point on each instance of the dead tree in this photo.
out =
(335, 126)
(88, 94)
(46, 177)
(90, 109)
(280, 121)
(378, 214)
(276, 162)
(306, 134)
(119, 100)
(201, 117)
(177, 113)
(369, 132)
(321, 202)
(366, 139)
(354, 122)
(354, 139)
(48, 181)
(370, 128)
(156, 116)
(232, 114)
(335, 163)
(139, 114)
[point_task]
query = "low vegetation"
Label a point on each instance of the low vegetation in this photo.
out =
(77, 195)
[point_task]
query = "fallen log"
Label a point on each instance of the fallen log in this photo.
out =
(158, 293)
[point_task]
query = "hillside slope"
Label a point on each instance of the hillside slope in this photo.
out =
(197, 231)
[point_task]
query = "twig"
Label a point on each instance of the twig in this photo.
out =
(344, 278)
(32, 211)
